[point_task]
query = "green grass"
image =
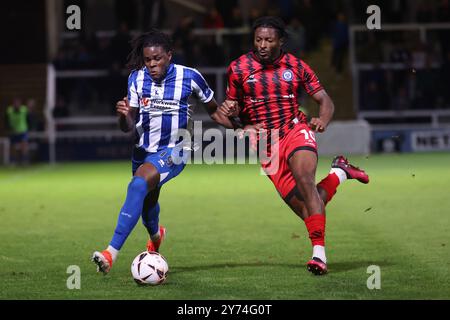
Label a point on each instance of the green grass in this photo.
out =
(230, 235)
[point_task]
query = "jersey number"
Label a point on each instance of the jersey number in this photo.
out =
(308, 134)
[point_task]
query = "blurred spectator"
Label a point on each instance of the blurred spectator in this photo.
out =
(103, 56)
(126, 12)
(120, 45)
(154, 14)
(116, 84)
(399, 54)
(214, 58)
(426, 84)
(296, 38)
(226, 10)
(183, 36)
(443, 15)
(419, 56)
(60, 110)
(373, 94)
(254, 14)
(178, 56)
(236, 20)
(286, 9)
(35, 120)
(310, 15)
(419, 101)
(83, 57)
(213, 20)
(370, 51)
(396, 10)
(273, 10)
(340, 42)
(374, 97)
(83, 92)
(60, 61)
(400, 101)
(424, 12)
(17, 125)
(443, 11)
(445, 79)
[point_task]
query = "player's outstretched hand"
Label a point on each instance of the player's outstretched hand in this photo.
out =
(123, 107)
(317, 125)
(229, 108)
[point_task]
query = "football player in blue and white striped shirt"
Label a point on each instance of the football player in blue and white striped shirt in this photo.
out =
(157, 107)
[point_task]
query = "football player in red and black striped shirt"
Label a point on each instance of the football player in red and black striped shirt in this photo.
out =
(263, 90)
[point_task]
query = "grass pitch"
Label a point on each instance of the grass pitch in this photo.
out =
(230, 236)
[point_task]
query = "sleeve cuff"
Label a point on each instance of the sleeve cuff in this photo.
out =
(316, 90)
(209, 98)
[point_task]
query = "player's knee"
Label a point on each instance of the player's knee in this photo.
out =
(138, 185)
(307, 181)
(149, 173)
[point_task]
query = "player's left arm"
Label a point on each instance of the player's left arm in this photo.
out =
(213, 110)
(314, 88)
(326, 111)
(202, 90)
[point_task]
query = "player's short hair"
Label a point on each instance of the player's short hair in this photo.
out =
(152, 38)
(271, 22)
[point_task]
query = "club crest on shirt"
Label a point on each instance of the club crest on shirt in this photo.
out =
(145, 102)
(287, 75)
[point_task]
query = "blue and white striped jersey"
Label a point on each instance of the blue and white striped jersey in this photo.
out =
(165, 106)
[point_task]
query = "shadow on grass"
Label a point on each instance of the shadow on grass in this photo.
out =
(335, 267)
(344, 266)
(231, 265)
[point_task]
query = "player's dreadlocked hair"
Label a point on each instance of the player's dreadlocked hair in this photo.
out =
(149, 39)
(271, 22)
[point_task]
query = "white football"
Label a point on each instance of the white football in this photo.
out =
(149, 268)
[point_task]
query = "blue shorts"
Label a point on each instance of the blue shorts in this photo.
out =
(169, 162)
(20, 137)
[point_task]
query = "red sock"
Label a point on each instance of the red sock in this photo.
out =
(316, 229)
(329, 184)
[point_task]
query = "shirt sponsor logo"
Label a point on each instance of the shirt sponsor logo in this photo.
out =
(251, 79)
(147, 104)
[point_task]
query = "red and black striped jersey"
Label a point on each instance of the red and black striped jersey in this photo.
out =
(268, 93)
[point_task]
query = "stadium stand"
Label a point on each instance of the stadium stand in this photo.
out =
(394, 78)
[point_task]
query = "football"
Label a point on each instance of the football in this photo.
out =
(149, 268)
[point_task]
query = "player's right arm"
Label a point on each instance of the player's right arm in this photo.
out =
(230, 107)
(129, 105)
(126, 115)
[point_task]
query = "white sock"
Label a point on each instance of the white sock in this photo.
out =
(155, 237)
(114, 252)
(340, 174)
(319, 252)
